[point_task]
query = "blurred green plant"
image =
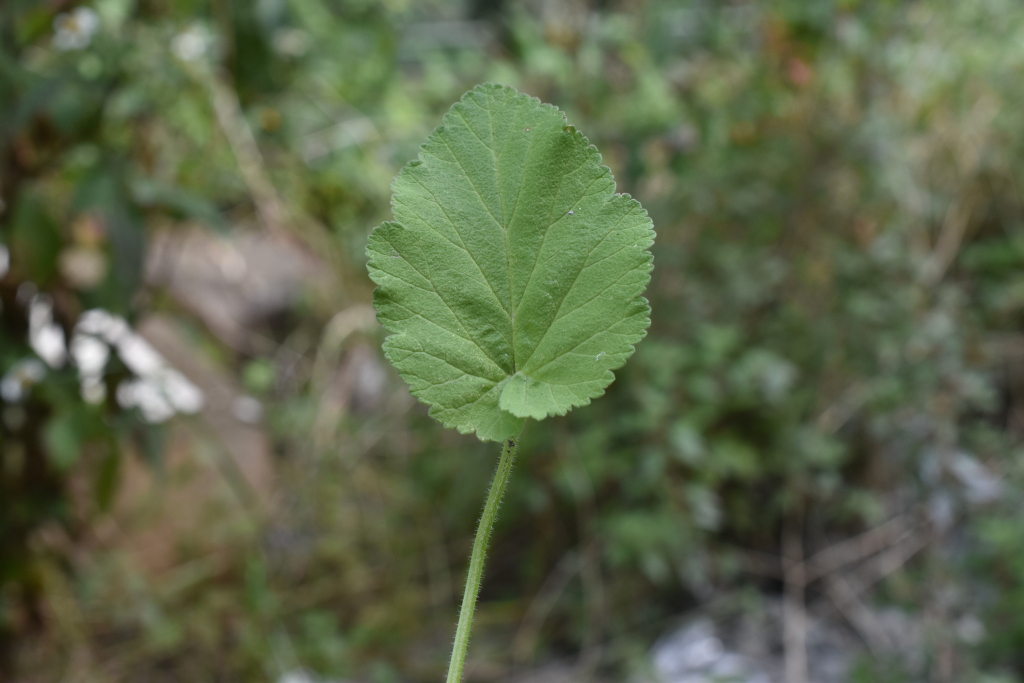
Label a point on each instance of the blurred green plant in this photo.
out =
(837, 309)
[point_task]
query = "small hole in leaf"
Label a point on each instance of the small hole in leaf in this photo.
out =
(527, 130)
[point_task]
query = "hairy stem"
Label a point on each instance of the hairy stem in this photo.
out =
(476, 560)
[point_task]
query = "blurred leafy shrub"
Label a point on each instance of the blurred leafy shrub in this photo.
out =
(837, 317)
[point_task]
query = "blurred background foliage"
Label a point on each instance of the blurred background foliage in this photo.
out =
(208, 473)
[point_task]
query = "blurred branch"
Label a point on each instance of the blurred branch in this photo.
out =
(65, 611)
(893, 558)
(836, 415)
(954, 227)
(540, 607)
(359, 318)
(846, 595)
(837, 556)
(584, 496)
(847, 601)
(441, 585)
(892, 543)
(274, 213)
(272, 210)
(760, 563)
(855, 549)
(344, 117)
(794, 612)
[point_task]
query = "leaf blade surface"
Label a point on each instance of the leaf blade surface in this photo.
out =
(511, 277)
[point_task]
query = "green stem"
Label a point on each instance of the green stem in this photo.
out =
(476, 560)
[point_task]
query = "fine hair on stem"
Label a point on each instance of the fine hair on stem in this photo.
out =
(476, 560)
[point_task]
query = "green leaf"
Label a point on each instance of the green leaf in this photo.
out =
(63, 437)
(512, 275)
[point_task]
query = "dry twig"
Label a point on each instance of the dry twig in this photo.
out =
(794, 612)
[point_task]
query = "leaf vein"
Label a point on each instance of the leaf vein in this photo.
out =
(456, 229)
(575, 280)
(449, 307)
(451, 365)
(600, 331)
(476, 189)
(475, 134)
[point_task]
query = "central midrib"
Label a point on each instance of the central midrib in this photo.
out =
(506, 223)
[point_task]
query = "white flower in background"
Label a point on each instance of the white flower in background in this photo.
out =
(981, 485)
(158, 390)
(290, 42)
(302, 677)
(5, 261)
(160, 395)
(695, 654)
(295, 677)
(247, 409)
(18, 381)
(74, 30)
(45, 336)
(970, 629)
(83, 267)
(191, 44)
(90, 356)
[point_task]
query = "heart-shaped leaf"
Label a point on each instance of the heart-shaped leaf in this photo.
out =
(511, 278)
